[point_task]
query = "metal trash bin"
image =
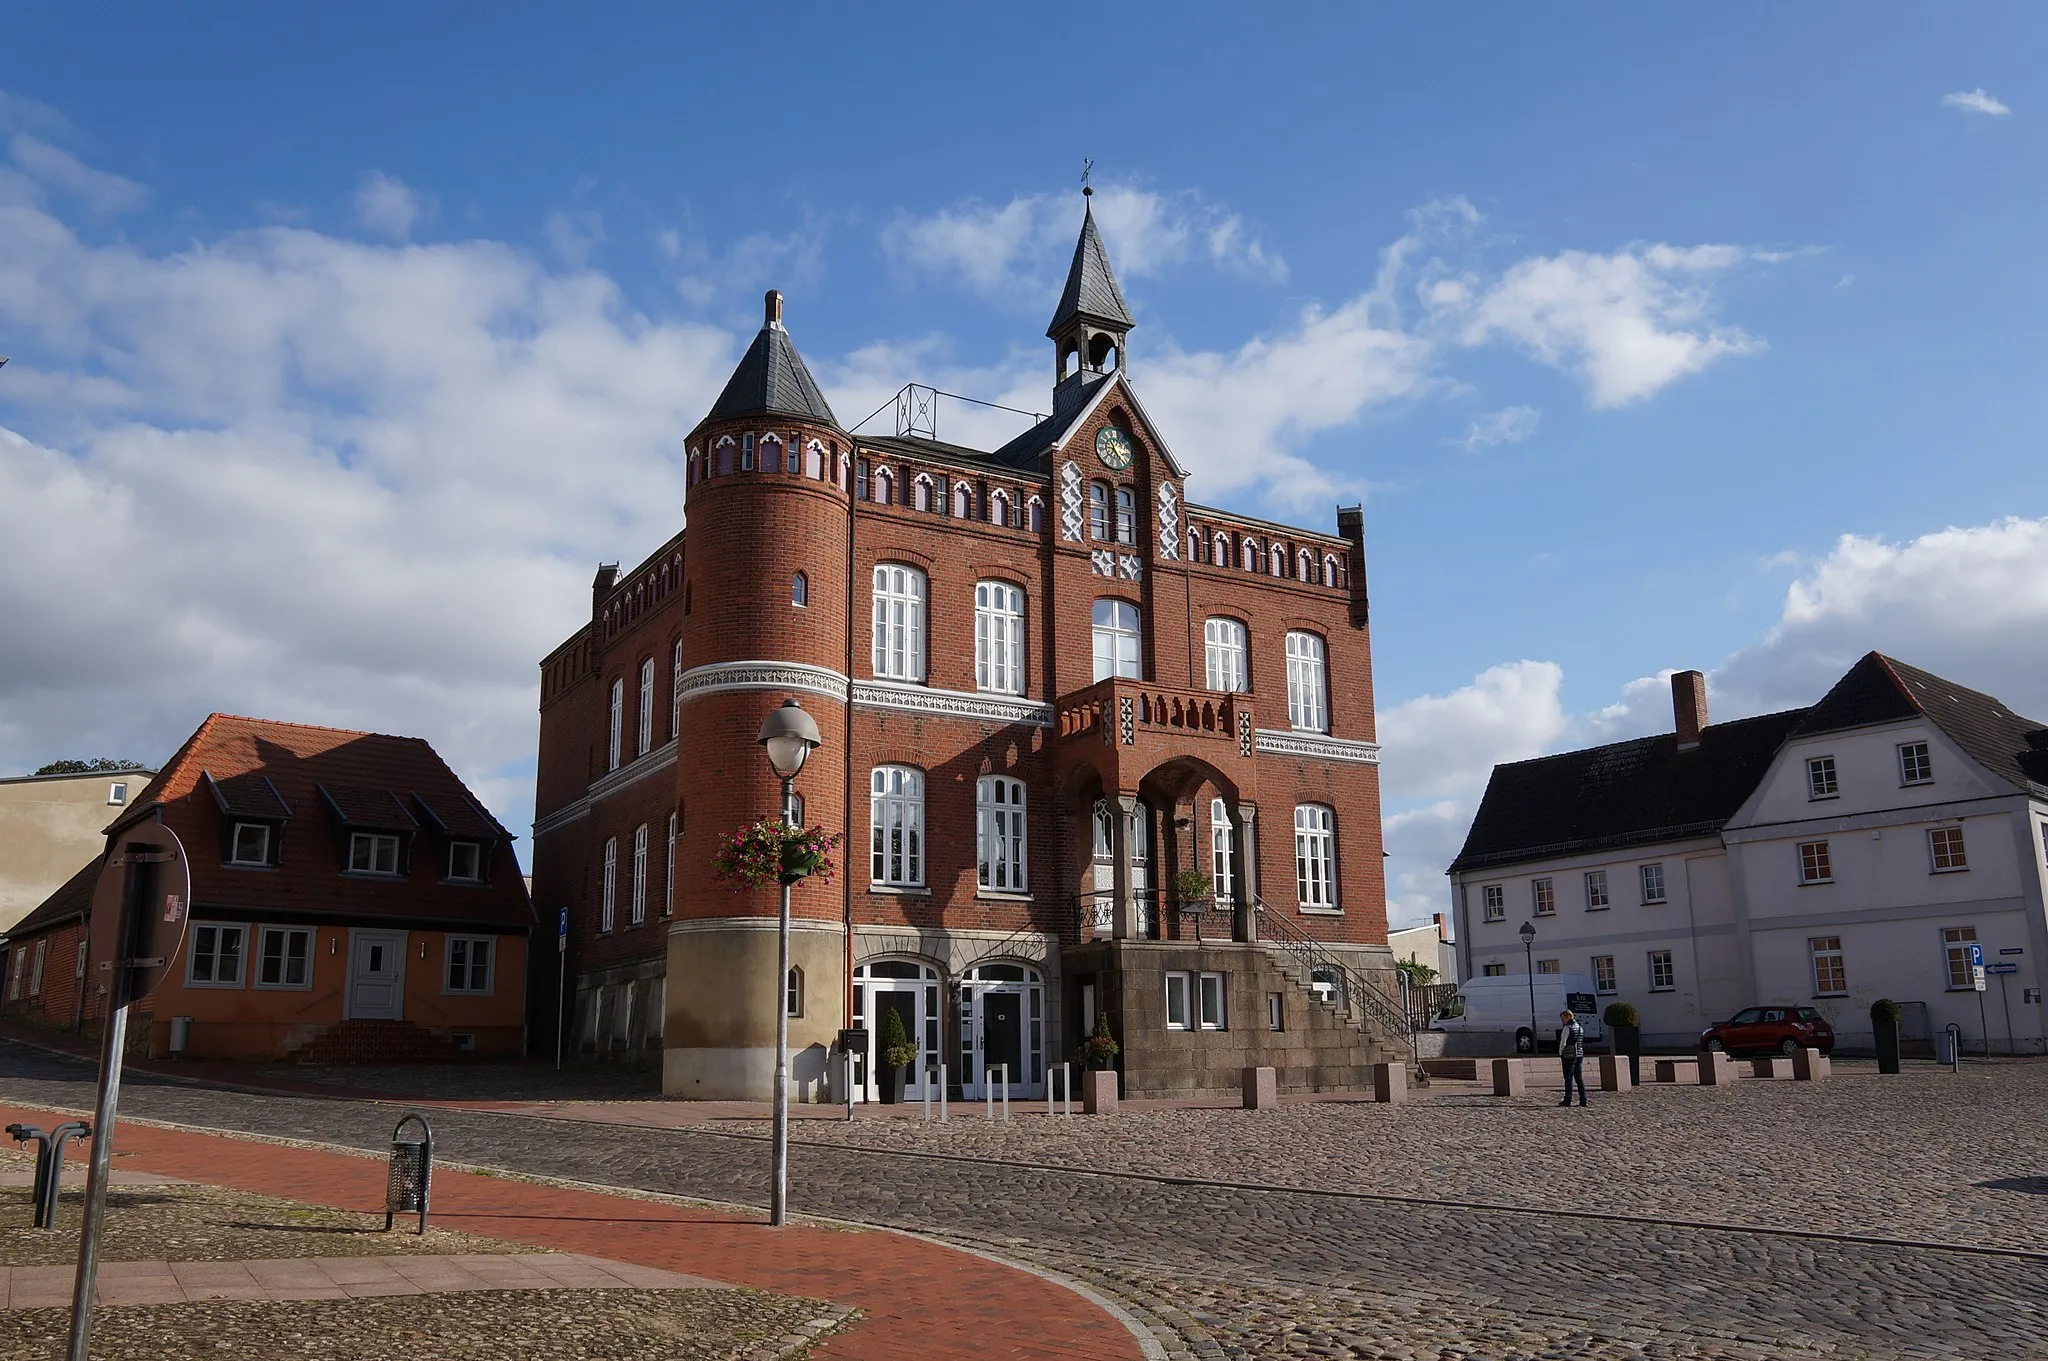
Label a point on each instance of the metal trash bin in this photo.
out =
(409, 1184)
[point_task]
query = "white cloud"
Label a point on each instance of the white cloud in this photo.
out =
(1448, 744)
(573, 235)
(99, 191)
(755, 262)
(1627, 324)
(388, 206)
(1509, 425)
(1975, 101)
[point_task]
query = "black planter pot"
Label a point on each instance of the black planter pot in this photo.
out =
(1887, 1045)
(890, 1084)
(1628, 1042)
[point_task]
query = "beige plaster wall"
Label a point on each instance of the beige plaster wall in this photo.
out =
(50, 826)
(719, 1034)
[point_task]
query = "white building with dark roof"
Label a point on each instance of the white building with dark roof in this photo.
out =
(1874, 845)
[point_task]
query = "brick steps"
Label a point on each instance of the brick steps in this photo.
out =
(376, 1042)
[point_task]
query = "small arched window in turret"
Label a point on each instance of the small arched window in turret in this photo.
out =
(921, 493)
(1279, 561)
(1330, 570)
(885, 486)
(723, 454)
(1222, 550)
(747, 452)
(814, 461)
(1305, 566)
(1034, 516)
(1250, 556)
(963, 501)
(799, 590)
(771, 453)
(999, 508)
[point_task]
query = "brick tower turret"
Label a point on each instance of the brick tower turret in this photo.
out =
(766, 601)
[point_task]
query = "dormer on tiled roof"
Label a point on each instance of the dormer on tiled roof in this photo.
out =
(247, 796)
(366, 809)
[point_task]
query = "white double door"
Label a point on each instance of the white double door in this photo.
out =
(1002, 1031)
(916, 1003)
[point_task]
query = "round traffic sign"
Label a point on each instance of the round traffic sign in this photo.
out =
(140, 906)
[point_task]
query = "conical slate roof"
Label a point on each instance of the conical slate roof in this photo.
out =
(1091, 289)
(771, 377)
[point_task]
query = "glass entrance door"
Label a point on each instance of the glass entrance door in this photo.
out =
(1002, 1029)
(911, 991)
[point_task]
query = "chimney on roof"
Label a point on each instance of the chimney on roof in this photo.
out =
(773, 319)
(1436, 919)
(1688, 707)
(601, 585)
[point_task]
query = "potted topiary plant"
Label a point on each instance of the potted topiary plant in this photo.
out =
(1100, 1049)
(1884, 1026)
(1098, 1084)
(897, 1052)
(1627, 1030)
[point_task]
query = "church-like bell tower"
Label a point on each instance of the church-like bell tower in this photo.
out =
(1089, 326)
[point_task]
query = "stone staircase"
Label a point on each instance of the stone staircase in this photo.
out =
(376, 1042)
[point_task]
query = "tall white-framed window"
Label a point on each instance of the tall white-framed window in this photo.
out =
(963, 501)
(1596, 890)
(469, 964)
(1495, 897)
(800, 590)
(1210, 1007)
(1830, 977)
(1916, 763)
(1306, 709)
(1098, 510)
(1315, 857)
(1945, 850)
(618, 733)
(643, 742)
(1955, 947)
(1119, 649)
(668, 882)
(372, 853)
(637, 909)
(896, 823)
(35, 973)
(1821, 780)
(1126, 515)
(284, 957)
(1543, 897)
(213, 959)
(999, 637)
(999, 508)
(1177, 1008)
(1653, 882)
(1249, 556)
(793, 992)
(1221, 857)
(609, 893)
(1603, 974)
(1663, 977)
(1223, 649)
(675, 690)
(1220, 549)
(899, 622)
(999, 833)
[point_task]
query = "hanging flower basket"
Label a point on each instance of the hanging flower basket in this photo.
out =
(772, 852)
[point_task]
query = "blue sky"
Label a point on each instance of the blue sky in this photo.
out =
(371, 333)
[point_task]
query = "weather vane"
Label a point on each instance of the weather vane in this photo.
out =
(1087, 168)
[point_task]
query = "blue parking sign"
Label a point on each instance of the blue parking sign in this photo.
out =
(1976, 954)
(562, 930)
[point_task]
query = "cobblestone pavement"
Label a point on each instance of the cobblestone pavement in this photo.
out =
(1223, 1271)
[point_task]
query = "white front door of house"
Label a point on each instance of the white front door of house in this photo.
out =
(376, 975)
(1002, 1030)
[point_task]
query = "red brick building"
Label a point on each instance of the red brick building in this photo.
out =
(351, 901)
(1049, 683)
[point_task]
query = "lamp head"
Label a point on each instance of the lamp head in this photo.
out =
(789, 734)
(1528, 931)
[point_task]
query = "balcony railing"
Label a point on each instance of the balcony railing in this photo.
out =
(1133, 707)
(1158, 917)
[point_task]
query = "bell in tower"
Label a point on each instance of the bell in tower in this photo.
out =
(1089, 326)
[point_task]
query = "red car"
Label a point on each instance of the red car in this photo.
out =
(1780, 1030)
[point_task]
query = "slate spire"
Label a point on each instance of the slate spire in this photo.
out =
(1091, 291)
(771, 377)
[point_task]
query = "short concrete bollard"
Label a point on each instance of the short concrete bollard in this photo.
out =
(1098, 1092)
(1510, 1078)
(1810, 1065)
(1390, 1083)
(1614, 1074)
(1683, 1072)
(1261, 1088)
(1716, 1069)
(1770, 1067)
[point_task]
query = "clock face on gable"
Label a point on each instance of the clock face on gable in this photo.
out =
(1113, 447)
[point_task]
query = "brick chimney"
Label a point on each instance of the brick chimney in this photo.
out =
(1436, 919)
(1688, 707)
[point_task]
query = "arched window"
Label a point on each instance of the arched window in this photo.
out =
(999, 637)
(1035, 515)
(885, 486)
(618, 741)
(814, 461)
(1315, 857)
(1195, 542)
(1305, 566)
(696, 469)
(999, 508)
(1330, 570)
(1119, 650)
(1306, 708)
(999, 833)
(609, 891)
(668, 883)
(899, 622)
(771, 453)
(1222, 549)
(1098, 510)
(963, 501)
(723, 452)
(1222, 867)
(1278, 561)
(1126, 515)
(675, 690)
(799, 590)
(896, 823)
(793, 992)
(643, 741)
(1223, 645)
(1250, 555)
(920, 492)
(637, 912)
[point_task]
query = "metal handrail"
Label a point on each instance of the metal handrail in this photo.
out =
(1385, 1013)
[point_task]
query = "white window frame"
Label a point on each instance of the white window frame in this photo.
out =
(1222, 854)
(793, 992)
(1645, 874)
(235, 856)
(1829, 948)
(1126, 515)
(1224, 645)
(675, 691)
(1915, 756)
(636, 909)
(117, 794)
(78, 969)
(284, 935)
(1179, 1000)
(1955, 944)
(477, 849)
(1597, 899)
(1000, 847)
(1543, 896)
(222, 931)
(1308, 707)
(1315, 857)
(999, 637)
(1665, 962)
(1604, 979)
(800, 591)
(1822, 782)
(1958, 855)
(896, 846)
(618, 733)
(460, 952)
(668, 883)
(1549, 966)
(899, 596)
(1493, 899)
(1212, 1002)
(1118, 632)
(378, 843)
(644, 741)
(35, 971)
(1816, 864)
(14, 972)
(609, 893)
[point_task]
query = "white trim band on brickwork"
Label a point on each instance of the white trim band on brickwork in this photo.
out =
(1317, 747)
(725, 677)
(920, 699)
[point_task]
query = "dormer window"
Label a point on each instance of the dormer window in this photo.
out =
(251, 844)
(465, 861)
(372, 853)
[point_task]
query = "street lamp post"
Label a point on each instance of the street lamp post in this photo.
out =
(1529, 962)
(789, 734)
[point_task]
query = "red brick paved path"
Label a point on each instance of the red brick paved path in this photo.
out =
(921, 1300)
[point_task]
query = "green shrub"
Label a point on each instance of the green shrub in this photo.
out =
(1621, 1013)
(1884, 1011)
(897, 1050)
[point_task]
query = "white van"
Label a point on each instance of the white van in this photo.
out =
(1501, 1002)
